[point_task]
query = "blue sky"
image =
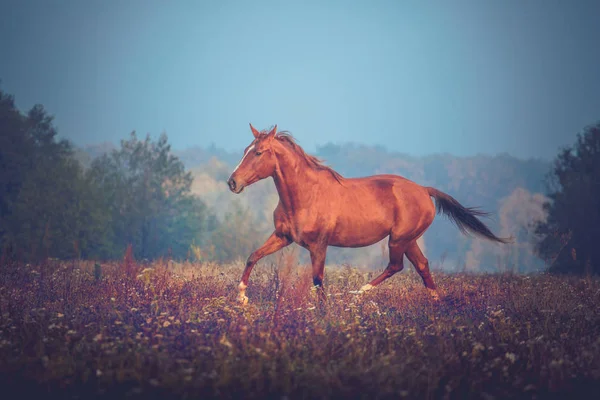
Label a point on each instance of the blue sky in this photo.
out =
(420, 77)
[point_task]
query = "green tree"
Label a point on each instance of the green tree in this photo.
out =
(45, 207)
(146, 191)
(570, 234)
(14, 144)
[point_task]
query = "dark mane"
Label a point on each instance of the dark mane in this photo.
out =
(314, 162)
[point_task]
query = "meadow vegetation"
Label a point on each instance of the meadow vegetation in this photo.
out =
(163, 329)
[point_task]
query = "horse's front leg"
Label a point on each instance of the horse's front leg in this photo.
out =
(275, 242)
(317, 258)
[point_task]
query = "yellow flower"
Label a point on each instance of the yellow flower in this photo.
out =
(511, 357)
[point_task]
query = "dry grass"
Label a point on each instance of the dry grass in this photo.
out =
(164, 330)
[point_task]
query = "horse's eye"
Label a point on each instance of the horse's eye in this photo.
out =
(258, 153)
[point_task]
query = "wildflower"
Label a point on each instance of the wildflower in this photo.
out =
(477, 348)
(556, 363)
(166, 324)
(59, 315)
(225, 342)
(511, 357)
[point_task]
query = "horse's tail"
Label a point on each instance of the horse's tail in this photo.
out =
(465, 218)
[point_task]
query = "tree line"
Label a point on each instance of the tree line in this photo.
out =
(140, 195)
(569, 238)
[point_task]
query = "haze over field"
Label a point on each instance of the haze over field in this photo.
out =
(509, 187)
(473, 98)
(426, 77)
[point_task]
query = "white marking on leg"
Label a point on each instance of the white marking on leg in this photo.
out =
(242, 160)
(242, 298)
(366, 288)
(363, 289)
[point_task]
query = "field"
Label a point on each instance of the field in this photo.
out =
(168, 330)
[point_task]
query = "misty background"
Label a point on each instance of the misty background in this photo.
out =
(473, 98)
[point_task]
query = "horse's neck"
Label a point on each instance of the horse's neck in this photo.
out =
(294, 181)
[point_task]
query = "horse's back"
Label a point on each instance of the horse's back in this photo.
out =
(390, 187)
(413, 206)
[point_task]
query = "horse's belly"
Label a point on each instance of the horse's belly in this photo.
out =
(353, 234)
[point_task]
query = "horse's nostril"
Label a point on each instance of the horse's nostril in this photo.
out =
(231, 184)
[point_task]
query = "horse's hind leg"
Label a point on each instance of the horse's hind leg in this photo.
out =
(416, 257)
(396, 264)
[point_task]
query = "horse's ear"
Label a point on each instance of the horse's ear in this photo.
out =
(254, 131)
(273, 132)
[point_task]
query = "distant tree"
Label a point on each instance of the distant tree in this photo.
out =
(569, 237)
(146, 192)
(236, 236)
(14, 146)
(519, 213)
(45, 208)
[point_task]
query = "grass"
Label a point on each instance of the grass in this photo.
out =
(77, 330)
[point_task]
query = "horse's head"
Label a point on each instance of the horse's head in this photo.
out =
(257, 163)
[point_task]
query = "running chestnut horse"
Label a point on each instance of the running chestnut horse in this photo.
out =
(319, 208)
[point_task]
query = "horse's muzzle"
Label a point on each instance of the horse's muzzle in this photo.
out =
(233, 186)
